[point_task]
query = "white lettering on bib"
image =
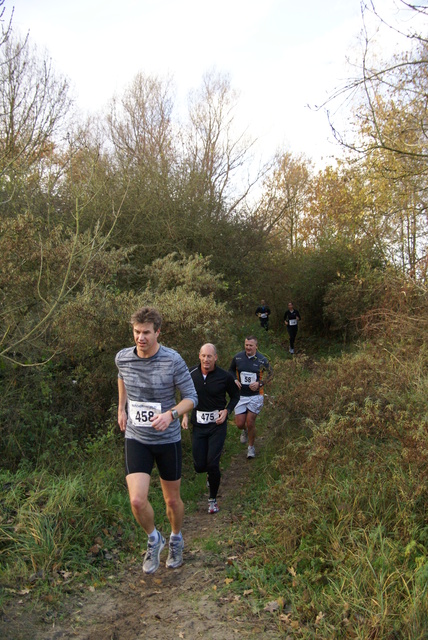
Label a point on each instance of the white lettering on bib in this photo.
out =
(248, 377)
(205, 417)
(141, 412)
(292, 322)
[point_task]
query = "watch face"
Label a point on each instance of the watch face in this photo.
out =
(174, 414)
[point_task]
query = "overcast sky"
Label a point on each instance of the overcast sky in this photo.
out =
(282, 55)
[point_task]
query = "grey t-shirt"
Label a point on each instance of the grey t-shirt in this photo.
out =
(154, 380)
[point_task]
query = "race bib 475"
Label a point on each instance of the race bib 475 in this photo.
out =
(205, 417)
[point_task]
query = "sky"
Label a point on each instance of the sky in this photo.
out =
(283, 56)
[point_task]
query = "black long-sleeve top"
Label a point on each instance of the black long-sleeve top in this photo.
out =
(213, 389)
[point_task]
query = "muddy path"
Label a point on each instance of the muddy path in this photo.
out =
(188, 603)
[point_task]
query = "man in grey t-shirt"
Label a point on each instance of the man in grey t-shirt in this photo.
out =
(149, 376)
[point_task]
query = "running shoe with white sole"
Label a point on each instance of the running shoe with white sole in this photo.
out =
(175, 554)
(243, 438)
(152, 559)
(213, 506)
(251, 453)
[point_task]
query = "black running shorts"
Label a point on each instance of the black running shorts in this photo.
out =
(140, 458)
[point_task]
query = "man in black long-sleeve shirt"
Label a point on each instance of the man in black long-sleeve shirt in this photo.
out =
(263, 312)
(209, 417)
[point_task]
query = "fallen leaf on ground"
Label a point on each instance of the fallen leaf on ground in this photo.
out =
(319, 617)
(285, 617)
(95, 550)
(66, 574)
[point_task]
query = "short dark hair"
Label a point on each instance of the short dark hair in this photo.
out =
(252, 338)
(147, 314)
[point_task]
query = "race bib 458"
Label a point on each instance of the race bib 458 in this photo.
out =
(140, 412)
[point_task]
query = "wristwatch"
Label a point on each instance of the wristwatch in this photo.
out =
(174, 414)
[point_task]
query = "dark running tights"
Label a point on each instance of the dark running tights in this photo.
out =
(292, 332)
(207, 445)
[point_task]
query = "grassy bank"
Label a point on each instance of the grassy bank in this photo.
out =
(61, 531)
(334, 539)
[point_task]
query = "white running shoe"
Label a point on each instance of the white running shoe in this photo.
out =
(152, 559)
(213, 506)
(243, 438)
(251, 453)
(175, 554)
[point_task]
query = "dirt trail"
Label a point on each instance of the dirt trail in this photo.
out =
(182, 603)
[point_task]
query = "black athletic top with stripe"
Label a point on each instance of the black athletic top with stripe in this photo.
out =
(258, 364)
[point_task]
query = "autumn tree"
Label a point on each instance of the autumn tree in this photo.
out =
(285, 200)
(388, 133)
(34, 101)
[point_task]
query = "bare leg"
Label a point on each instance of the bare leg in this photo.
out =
(138, 487)
(240, 420)
(250, 424)
(174, 503)
(247, 421)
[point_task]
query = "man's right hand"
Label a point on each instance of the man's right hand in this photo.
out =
(122, 419)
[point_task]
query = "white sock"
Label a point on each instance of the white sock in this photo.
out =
(154, 535)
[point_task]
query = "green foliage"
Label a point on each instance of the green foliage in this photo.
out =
(336, 534)
(185, 290)
(369, 300)
(66, 528)
(62, 402)
(50, 520)
(312, 274)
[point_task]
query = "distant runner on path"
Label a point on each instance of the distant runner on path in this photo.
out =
(248, 368)
(291, 319)
(149, 376)
(209, 417)
(263, 313)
